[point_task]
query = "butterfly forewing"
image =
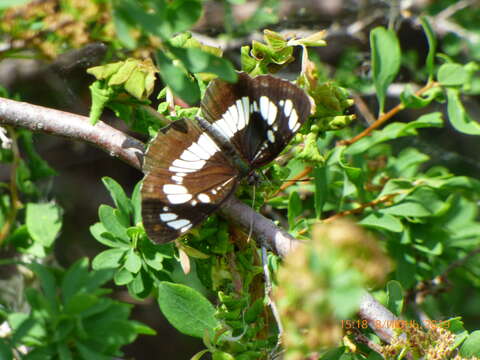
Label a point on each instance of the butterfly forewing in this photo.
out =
(258, 115)
(187, 178)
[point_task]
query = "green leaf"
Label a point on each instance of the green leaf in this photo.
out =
(74, 279)
(80, 302)
(47, 281)
(412, 101)
(382, 222)
(159, 17)
(457, 115)
(471, 346)
(101, 234)
(334, 354)
(133, 262)
(101, 95)
(432, 45)
(88, 353)
(122, 277)
(122, 202)
(177, 80)
(395, 130)
(187, 310)
(43, 222)
(408, 209)
(110, 258)
(111, 223)
(294, 208)
(321, 189)
(452, 75)
(198, 61)
(137, 203)
(395, 297)
(386, 57)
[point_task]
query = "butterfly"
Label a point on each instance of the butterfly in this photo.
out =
(192, 166)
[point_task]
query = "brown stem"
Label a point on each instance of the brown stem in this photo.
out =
(362, 207)
(293, 180)
(76, 127)
(385, 117)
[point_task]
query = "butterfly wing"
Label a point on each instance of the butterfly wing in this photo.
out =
(258, 115)
(187, 178)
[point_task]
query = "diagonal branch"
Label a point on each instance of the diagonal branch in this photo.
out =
(130, 150)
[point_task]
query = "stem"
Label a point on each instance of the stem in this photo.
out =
(385, 117)
(359, 209)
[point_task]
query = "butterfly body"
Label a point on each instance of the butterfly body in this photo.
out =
(192, 167)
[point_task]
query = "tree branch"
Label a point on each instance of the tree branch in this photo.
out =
(130, 150)
(76, 127)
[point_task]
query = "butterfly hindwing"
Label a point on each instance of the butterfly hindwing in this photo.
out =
(187, 178)
(258, 115)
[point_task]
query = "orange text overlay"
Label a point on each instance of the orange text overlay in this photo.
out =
(394, 324)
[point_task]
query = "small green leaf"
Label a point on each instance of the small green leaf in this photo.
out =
(43, 222)
(395, 297)
(458, 116)
(122, 277)
(198, 61)
(123, 72)
(80, 302)
(407, 209)
(186, 309)
(294, 208)
(122, 202)
(386, 57)
(432, 45)
(321, 189)
(177, 80)
(452, 75)
(334, 354)
(47, 281)
(133, 262)
(135, 85)
(110, 258)
(383, 222)
(88, 353)
(101, 234)
(471, 346)
(75, 278)
(112, 223)
(101, 95)
(137, 203)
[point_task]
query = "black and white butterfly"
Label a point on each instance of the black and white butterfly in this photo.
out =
(192, 166)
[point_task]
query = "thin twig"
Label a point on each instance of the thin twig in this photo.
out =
(360, 209)
(385, 117)
(76, 127)
(293, 180)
